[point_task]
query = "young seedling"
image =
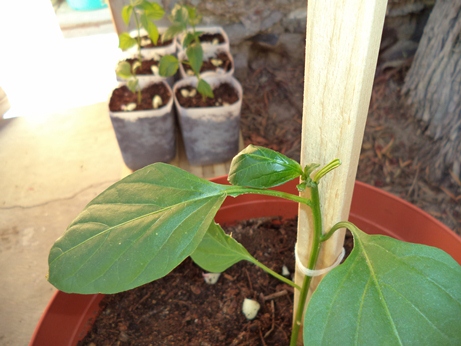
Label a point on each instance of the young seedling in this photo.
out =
(184, 19)
(127, 72)
(145, 13)
(386, 292)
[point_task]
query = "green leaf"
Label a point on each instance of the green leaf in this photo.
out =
(195, 56)
(168, 65)
(180, 15)
(136, 231)
(127, 11)
(132, 84)
(387, 292)
(219, 251)
(189, 38)
(204, 89)
(172, 31)
(123, 70)
(153, 10)
(262, 168)
(150, 28)
(125, 41)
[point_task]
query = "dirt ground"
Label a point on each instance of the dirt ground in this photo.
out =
(391, 156)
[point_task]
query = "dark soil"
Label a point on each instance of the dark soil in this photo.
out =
(208, 66)
(392, 155)
(160, 43)
(207, 37)
(181, 309)
(123, 96)
(223, 93)
(145, 68)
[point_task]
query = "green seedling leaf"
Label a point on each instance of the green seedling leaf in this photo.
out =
(151, 28)
(219, 251)
(204, 89)
(172, 31)
(123, 70)
(387, 292)
(127, 11)
(153, 11)
(132, 84)
(194, 53)
(193, 15)
(136, 231)
(189, 38)
(168, 65)
(262, 168)
(180, 15)
(125, 41)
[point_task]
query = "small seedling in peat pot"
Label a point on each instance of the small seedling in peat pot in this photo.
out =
(184, 20)
(144, 14)
(145, 225)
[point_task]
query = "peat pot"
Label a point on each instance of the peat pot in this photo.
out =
(146, 136)
(210, 134)
(69, 316)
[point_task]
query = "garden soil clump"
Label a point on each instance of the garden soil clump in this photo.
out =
(181, 309)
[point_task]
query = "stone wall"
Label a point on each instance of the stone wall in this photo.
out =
(278, 28)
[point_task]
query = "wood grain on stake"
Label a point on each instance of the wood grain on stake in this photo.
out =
(342, 44)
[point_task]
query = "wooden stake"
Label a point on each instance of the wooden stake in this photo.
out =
(342, 44)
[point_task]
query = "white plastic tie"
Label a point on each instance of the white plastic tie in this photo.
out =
(318, 272)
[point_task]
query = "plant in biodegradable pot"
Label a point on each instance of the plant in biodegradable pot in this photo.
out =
(139, 229)
(145, 36)
(208, 106)
(142, 116)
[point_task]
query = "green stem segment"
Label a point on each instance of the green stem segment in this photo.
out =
(313, 257)
(276, 275)
(235, 191)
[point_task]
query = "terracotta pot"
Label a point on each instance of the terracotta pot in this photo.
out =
(69, 316)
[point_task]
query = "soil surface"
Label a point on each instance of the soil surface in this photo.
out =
(145, 68)
(224, 93)
(160, 43)
(209, 66)
(207, 37)
(392, 153)
(181, 309)
(122, 96)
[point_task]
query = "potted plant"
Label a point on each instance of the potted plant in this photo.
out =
(141, 112)
(406, 288)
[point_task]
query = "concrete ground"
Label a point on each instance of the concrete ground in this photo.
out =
(55, 157)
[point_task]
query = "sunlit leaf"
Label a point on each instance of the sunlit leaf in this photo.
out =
(125, 41)
(151, 28)
(126, 14)
(172, 31)
(136, 231)
(168, 65)
(123, 70)
(153, 10)
(262, 168)
(387, 293)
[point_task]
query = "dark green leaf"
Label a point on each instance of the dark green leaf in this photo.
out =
(219, 251)
(195, 56)
(387, 293)
(150, 28)
(204, 89)
(126, 14)
(123, 70)
(125, 41)
(262, 168)
(168, 65)
(136, 231)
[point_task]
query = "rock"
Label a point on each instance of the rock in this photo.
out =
(398, 51)
(236, 33)
(273, 18)
(294, 45)
(296, 21)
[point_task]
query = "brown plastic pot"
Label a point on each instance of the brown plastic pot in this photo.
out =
(69, 316)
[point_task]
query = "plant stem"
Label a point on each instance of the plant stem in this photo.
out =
(342, 224)
(313, 257)
(274, 274)
(235, 191)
